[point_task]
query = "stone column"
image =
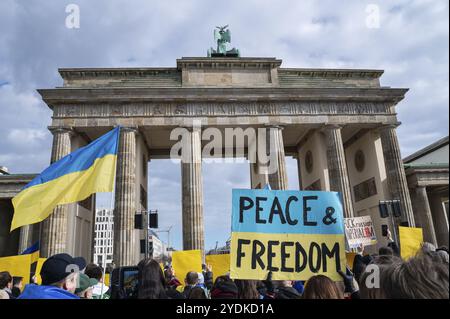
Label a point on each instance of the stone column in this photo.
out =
(258, 171)
(25, 239)
(257, 179)
(277, 179)
(125, 200)
(192, 190)
(337, 167)
(299, 169)
(440, 219)
(395, 172)
(54, 227)
(423, 208)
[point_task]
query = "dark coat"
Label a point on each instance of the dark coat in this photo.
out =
(287, 293)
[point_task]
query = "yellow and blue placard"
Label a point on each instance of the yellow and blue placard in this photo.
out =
(73, 178)
(293, 234)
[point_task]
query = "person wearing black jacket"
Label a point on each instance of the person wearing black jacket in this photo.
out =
(208, 276)
(17, 286)
(224, 288)
(286, 291)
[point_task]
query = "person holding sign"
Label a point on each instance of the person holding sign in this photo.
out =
(292, 234)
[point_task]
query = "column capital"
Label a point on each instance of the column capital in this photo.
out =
(384, 127)
(278, 126)
(61, 129)
(327, 127)
(131, 129)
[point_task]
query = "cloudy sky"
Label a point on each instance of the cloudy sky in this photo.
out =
(409, 41)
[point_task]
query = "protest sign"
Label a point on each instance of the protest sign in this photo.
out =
(184, 261)
(17, 266)
(359, 231)
(220, 264)
(350, 259)
(107, 280)
(293, 234)
(40, 262)
(411, 240)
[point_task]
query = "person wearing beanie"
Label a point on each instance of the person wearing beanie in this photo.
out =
(85, 287)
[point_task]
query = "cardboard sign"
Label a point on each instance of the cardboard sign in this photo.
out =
(184, 261)
(350, 259)
(411, 240)
(18, 266)
(359, 231)
(40, 262)
(294, 234)
(220, 264)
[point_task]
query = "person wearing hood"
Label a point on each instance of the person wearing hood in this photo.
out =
(59, 275)
(286, 291)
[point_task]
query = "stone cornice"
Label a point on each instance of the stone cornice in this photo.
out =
(227, 63)
(332, 73)
(82, 95)
(426, 170)
(16, 178)
(11, 185)
(427, 176)
(81, 73)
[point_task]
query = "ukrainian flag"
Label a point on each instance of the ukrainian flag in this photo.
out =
(88, 170)
(33, 251)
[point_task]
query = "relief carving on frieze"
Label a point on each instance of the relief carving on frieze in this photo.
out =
(219, 109)
(180, 110)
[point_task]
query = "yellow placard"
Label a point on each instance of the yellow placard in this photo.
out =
(185, 261)
(106, 280)
(34, 256)
(411, 240)
(40, 262)
(18, 266)
(220, 264)
(350, 258)
(288, 256)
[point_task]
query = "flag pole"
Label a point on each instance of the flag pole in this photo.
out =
(108, 229)
(109, 223)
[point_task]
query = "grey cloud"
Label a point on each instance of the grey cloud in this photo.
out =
(411, 45)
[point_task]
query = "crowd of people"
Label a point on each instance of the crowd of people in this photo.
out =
(424, 276)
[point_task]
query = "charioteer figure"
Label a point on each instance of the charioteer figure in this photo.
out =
(223, 36)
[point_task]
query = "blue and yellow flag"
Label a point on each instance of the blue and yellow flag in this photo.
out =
(88, 170)
(33, 251)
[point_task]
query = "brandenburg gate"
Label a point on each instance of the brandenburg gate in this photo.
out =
(339, 124)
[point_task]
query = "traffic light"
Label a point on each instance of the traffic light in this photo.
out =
(142, 246)
(384, 211)
(153, 222)
(138, 221)
(397, 210)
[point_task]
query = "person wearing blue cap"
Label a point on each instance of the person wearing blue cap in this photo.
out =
(59, 275)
